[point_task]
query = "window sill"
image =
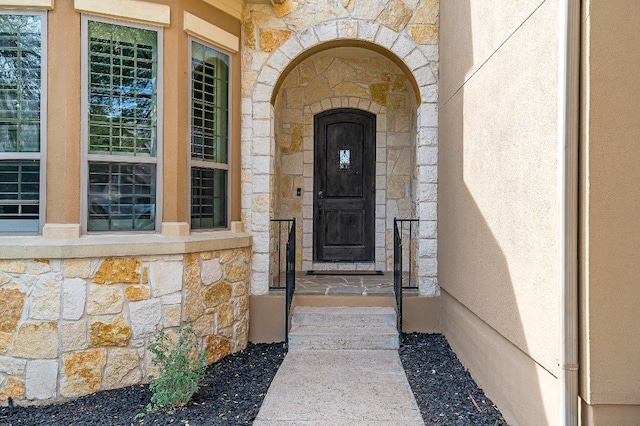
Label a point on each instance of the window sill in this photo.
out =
(37, 247)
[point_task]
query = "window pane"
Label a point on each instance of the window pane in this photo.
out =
(208, 198)
(19, 195)
(122, 196)
(210, 104)
(20, 61)
(122, 90)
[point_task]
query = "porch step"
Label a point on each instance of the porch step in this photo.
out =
(318, 328)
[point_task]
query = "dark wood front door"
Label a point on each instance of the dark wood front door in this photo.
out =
(344, 186)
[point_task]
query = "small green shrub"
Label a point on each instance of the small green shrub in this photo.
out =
(180, 366)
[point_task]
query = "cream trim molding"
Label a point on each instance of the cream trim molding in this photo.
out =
(132, 10)
(202, 29)
(230, 7)
(26, 4)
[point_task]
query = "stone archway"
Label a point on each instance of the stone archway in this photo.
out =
(258, 138)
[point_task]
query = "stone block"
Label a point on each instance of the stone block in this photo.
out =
(237, 269)
(41, 379)
(271, 39)
(18, 266)
(171, 315)
(217, 294)
(74, 297)
(113, 270)
(5, 341)
(146, 317)
(217, 348)
(109, 333)
(82, 372)
(105, 300)
(211, 271)
(12, 366)
(226, 314)
(135, 293)
(12, 302)
(74, 336)
(36, 339)
(122, 369)
(424, 34)
(166, 277)
(13, 388)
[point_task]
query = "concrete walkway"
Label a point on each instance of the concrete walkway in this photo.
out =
(340, 387)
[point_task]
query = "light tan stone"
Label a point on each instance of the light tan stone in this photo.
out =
(193, 306)
(105, 300)
(118, 270)
(74, 336)
(36, 339)
(192, 271)
(424, 34)
(206, 255)
(351, 89)
(145, 275)
(285, 8)
(306, 74)
(225, 315)
(18, 266)
(396, 15)
(426, 13)
(171, 315)
(249, 32)
(114, 333)
(77, 268)
(396, 186)
(400, 84)
(217, 294)
(226, 256)
(237, 269)
(13, 388)
(122, 369)
(204, 326)
(271, 39)
(297, 136)
(137, 292)
(12, 302)
(45, 298)
(82, 372)
(317, 90)
(240, 289)
(4, 278)
(5, 341)
(295, 97)
(217, 348)
(243, 306)
(379, 93)
(397, 102)
(339, 72)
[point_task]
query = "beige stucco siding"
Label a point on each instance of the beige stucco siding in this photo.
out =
(498, 212)
(610, 205)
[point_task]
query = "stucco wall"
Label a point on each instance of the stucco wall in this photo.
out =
(497, 210)
(610, 228)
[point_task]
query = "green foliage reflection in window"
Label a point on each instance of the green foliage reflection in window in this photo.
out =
(20, 102)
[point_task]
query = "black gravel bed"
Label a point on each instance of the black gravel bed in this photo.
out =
(231, 394)
(234, 388)
(445, 392)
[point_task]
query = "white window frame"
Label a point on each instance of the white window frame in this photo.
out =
(194, 163)
(42, 155)
(86, 157)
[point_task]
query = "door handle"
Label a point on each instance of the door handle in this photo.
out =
(320, 195)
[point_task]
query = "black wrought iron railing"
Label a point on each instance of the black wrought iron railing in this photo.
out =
(402, 228)
(289, 254)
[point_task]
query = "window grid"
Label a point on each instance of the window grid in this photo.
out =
(121, 91)
(21, 80)
(20, 189)
(122, 84)
(209, 137)
(122, 196)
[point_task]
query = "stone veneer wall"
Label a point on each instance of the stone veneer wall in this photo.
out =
(75, 326)
(364, 81)
(273, 37)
